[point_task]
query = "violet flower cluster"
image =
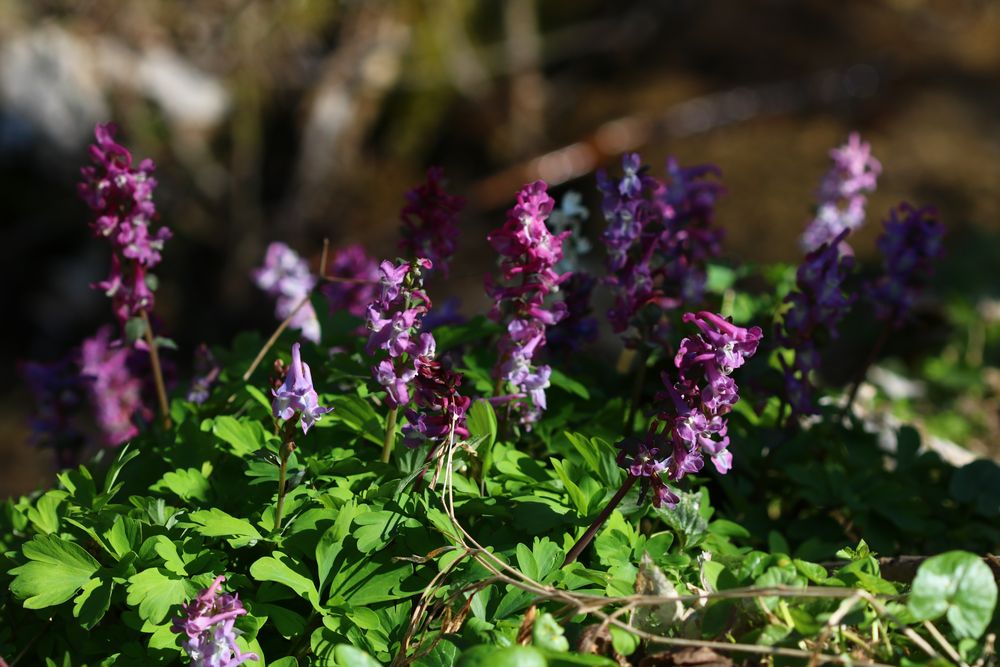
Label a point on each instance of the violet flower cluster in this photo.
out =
(692, 424)
(529, 253)
(207, 628)
(354, 276)
(286, 277)
(114, 388)
(910, 244)
(659, 238)
(816, 307)
(296, 397)
(394, 322)
(59, 392)
(120, 194)
(843, 192)
(430, 221)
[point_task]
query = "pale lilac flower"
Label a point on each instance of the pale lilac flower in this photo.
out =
(286, 277)
(842, 193)
(430, 221)
(207, 626)
(115, 392)
(297, 396)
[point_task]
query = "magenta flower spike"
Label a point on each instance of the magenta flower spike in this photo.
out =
(207, 628)
(115, 392)
(297, 396)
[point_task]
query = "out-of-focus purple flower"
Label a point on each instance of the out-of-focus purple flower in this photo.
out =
(297, 396)
(430, 221)
(842, 193)
(285, 276)
(207, 628)
(447, 313)
(814, 312)
(354, 275)
(529, 253)
(114, 391)
(577, 328)
(206, 373)
(394, 320)
(59, 393)
(691, 425)
(910, 244)
(120, 194)
(659, 238)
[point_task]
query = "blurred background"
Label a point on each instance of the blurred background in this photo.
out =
(296, 120)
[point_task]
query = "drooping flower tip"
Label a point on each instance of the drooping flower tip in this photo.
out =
(208, 629)
(297, 396)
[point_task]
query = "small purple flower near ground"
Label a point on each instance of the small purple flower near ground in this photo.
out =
(206, 370)
(285, 276)
(853, 174)
(297, 396)
(207, 627)
(58, 392)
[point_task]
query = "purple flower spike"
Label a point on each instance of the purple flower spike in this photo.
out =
(285, 276)
(207, 627)
(297, 396)
(909, 245)
(430, 225)
(659, 238)
(529, 253)
(729, 344)
(115, 392)
(842, 193)
(120, 195)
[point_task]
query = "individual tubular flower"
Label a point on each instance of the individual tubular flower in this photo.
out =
(439, 410)
(394, 321)
(842, 193)
(529, 253)
(815, 309)
(910, 244)
(659, 238)
(115, 392)
(120, 194)
(207, 628)
(59, 393)
(430, 221)
(297, 396)
(206, 369)
(285, 276)
(353, 278)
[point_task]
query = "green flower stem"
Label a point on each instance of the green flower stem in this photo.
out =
(287, 447)
(154, 361)
(390, 435)
(582, 543)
